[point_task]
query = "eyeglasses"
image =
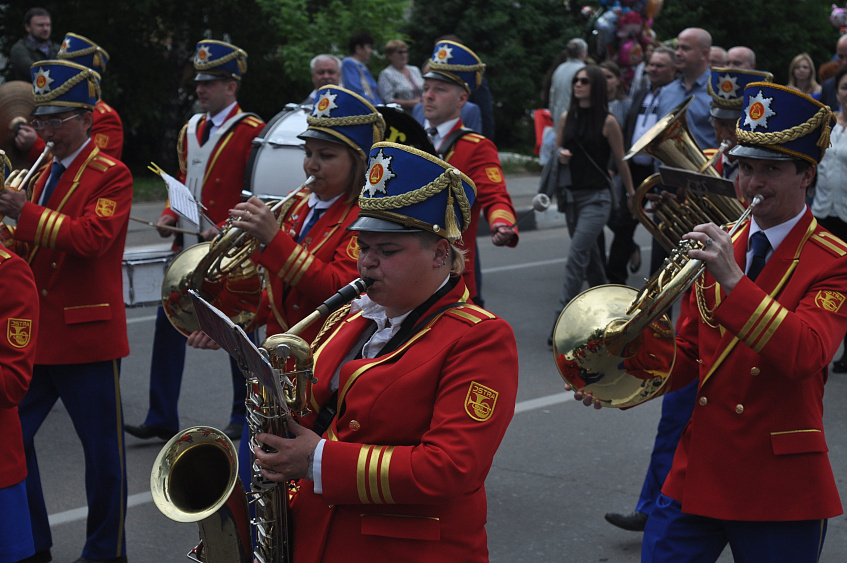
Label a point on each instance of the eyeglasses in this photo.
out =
(403, 52)
(583, 80)
(39, 124)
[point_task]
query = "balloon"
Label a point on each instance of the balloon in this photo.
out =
(652, 8)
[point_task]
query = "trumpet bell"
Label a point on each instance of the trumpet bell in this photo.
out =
(589, 358)
(237, 295)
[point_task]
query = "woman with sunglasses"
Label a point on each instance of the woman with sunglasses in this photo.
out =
(400, 83)
(588, 137)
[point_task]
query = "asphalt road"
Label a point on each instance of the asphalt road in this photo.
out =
(560, 468)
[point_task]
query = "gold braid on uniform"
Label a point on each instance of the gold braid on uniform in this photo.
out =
(93, 88)
(182, 157)
(736, 103)
(334, 318)
(821, 118)
(479, 67)
(93, 49)
(450, 180)
(350, 120)
(242, 63)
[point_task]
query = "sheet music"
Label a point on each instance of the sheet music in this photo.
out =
(234, 340)
(181, 200)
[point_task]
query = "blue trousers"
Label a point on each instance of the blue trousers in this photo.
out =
(672, 536)
(15, 526)
(166, 369)
(676, 412)
(91, 395)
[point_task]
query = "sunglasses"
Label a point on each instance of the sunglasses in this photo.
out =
(583, 80)
(39, 124)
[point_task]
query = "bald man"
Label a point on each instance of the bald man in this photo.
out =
(717, 56)
(828, 88)
(741, 57)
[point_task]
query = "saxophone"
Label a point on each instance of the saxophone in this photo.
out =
(195, 475)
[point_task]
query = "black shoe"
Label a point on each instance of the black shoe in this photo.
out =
(121, 559)
(146, 432)
(39, 557)
(840, 366)
(233, 430)
(633, 522)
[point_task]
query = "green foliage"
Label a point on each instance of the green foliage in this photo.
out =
(517, 40)
(776, 30)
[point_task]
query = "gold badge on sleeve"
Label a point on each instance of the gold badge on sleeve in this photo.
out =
(494, 174)
(480, 401)
(105, 207)
(829, 300)
(353, 248)
(19, 332)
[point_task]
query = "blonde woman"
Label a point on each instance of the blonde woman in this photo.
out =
(801, 75)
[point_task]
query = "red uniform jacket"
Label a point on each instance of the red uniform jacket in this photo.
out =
(302, 276)
(19, 318)
(225, 170)
(75, 248)
(407, 455)
(755, 447)
(477, 157)
(107, 132)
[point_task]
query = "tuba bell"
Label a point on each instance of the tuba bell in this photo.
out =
(221, 272)
(670, 142)
(616, 342)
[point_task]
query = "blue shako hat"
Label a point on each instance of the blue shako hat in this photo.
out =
(83, 51)
(781, 123)
(215, 60)
(61, 86)
(342, 116)
(409, 190)
(453, 62)
(726, 87)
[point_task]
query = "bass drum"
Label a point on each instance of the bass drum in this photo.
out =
(402, 128)
(276, 159)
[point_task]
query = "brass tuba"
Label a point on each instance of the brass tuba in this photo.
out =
(669, 141)
(221, 272)
(616, 342)
(195, 476)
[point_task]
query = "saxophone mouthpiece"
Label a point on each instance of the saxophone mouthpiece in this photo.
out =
(344, 295)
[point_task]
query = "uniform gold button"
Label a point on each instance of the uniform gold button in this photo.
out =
(354, 425)
(703, 401)
(296, 307)
(211, 202)
(54, 265)
(739, 409)
(44, 293)
(755, 371)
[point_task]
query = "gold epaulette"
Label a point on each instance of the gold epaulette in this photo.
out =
(102, 162)
(252, 121)
(473, 137)
(470, 314)
(829, 242)
(103, 107)
(4, 254)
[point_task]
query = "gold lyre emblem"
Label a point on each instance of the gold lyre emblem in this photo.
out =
(493, 174)
(19, 332)
(480, 401)
(105, 207)
(353, 248)
(829, 300)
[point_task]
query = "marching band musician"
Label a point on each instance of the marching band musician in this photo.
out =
(72, 234)
(214, 148)
(19, 314)
(757, 429)
(308, 253)
(455, 72)
(399, 474)
(107, 132)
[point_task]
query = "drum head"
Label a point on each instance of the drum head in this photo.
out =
(275, 164)
(402, 128)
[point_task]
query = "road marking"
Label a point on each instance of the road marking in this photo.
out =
(139, 499)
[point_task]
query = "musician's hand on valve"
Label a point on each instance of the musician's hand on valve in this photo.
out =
(12, 202)
(717, 253)
(587, 398)
(293, 456)
(256, 219)
(167, 221)
(201, 341)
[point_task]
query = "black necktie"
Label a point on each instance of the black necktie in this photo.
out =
(55, 173)
(761, 245)
(207, 129)
(311, 223)
(432, 132)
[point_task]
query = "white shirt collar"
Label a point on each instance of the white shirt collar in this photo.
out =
(315, 202)
(775, 234)
(219, 118)
(443, 130)
(66, 162)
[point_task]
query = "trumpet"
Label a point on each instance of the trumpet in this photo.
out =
(616, 342)
(219, 271)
